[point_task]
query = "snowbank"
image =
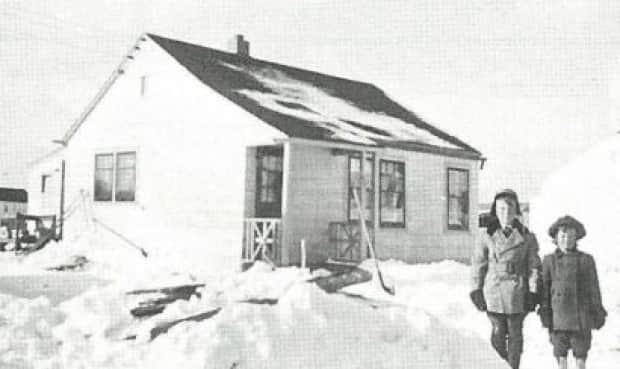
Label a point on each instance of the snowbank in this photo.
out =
(306, 326)
(175, 255)
(587, 188)
(26, 337)
(429, 323)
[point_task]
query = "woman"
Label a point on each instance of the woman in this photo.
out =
(506, 275)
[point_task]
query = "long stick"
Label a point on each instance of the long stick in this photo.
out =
(62, 200)
(127, 240)
(388, 289)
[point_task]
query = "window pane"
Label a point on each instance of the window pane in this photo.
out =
(354, 184)
(384, 181)
(104, 166)
(125, 185)
(458, 202)
(103, 184)
(393, 193)
(125, 177)
(355, 165)
(264, 178)
(126, 160)
(399, 184)
(104, 161)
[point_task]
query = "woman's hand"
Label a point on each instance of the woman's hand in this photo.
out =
(478, 299)
(546, 317)
(531, 301)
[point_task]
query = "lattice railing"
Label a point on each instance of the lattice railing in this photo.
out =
(345, 239)
(261, 241)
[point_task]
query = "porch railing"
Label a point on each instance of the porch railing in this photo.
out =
(262, 239)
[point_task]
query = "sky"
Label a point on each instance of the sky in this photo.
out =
(531, 84)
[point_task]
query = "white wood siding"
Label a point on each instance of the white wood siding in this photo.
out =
(191, 156)
(318, 194)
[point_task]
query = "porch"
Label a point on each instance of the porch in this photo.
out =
(298, 192)
(262, 240)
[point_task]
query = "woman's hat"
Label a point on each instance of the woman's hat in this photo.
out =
(567, 222)
(506, 193)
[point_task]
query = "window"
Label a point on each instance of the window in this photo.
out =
(354, 185)
(104, 173)
(125, 176)
(44, 178)
(458, 199)
(270, 178)
(115, 177)
(268, 201)
(392, 195)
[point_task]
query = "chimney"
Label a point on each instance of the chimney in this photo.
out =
(240, 46)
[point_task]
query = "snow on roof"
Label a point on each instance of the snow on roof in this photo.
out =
(344, 120)
(311, 105)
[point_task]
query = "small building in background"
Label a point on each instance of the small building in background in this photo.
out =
(12, 201)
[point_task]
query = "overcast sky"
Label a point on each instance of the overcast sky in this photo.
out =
(531, 84)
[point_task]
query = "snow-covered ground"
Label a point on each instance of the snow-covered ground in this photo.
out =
(429, 323)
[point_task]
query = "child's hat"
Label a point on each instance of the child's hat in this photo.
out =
(568, 222)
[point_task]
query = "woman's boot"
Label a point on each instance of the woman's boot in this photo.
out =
(562, 363)
(581, 363)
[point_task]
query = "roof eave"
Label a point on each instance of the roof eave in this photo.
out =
(410, 146)
(107, 85)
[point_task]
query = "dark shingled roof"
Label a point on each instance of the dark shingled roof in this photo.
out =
(231, 76)
(13, 195)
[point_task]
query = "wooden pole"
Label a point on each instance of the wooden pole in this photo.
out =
(363, 250)
(62, 200)
(303, 253)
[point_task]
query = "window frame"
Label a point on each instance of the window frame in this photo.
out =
(44, 179)
(370, 158)
(388, 224)
(115, 154)
(116, 171)
(452, 227)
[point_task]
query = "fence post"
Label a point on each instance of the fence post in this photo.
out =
(303, 253)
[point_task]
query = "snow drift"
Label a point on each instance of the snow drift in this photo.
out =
(587, 188)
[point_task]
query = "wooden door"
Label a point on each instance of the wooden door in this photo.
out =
(269, 182)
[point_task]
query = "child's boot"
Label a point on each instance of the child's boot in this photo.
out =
(581, 363)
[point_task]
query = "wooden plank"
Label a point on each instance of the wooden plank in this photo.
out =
(165, 327)
(186, 289)
(337, 281)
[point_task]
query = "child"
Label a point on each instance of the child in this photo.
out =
(571, 299)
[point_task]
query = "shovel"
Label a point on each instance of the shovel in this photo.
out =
(386, 288)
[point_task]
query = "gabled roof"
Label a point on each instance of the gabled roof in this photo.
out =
(13, 195)
(312, 105)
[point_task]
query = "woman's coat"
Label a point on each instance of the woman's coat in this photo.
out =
(505, 269)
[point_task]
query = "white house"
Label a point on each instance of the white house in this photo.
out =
(256, 156)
